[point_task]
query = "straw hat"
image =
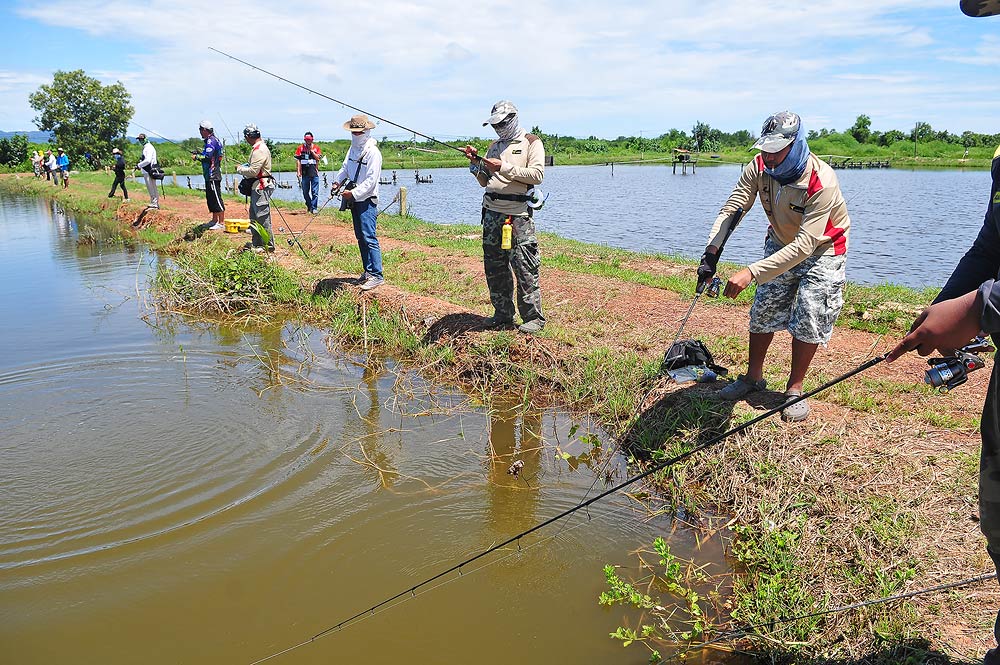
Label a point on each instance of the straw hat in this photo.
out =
(359, 123)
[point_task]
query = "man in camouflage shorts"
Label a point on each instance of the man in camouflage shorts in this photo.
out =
(513, 165)
(800, 280)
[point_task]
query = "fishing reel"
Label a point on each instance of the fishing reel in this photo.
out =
(711, 288)
(952, 371)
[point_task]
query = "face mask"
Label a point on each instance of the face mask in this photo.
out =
(793, 165)
(507, 128)
(358, 140)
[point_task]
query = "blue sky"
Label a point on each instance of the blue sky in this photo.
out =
(582, 68)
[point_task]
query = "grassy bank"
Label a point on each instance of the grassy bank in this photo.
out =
(868, 497)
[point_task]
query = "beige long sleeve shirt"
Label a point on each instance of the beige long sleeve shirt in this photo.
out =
(260, 165)
(808, 216)
(522, 165)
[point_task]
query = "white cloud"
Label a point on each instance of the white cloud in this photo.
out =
(438, 65)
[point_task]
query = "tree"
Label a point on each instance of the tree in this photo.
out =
(83, 114)
(13, 150)
(862, 129)
(921, 132)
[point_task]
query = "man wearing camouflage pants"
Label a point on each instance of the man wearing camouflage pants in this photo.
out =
(513, 165)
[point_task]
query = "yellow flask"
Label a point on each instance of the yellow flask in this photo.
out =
(506, 235)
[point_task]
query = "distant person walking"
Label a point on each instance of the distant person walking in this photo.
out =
(63, 162)
(119, 161)
(513, 165)
(307, 157)
(211, 167)
(357, 182)
(52, 168)
(147, 163)
(259, 169)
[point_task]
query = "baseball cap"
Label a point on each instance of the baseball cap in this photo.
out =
(778, 131)
(115, 151)
(500, 110)
(206, 124)
(976, 8)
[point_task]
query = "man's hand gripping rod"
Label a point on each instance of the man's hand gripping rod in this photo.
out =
(713, 285)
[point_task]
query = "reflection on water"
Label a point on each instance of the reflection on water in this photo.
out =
(184, 491)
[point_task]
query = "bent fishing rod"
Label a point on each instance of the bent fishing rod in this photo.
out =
(411, 591)
(342, 103)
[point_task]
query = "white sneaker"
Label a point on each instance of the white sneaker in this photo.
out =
(372, 282)
(362, 278)
(216, 227)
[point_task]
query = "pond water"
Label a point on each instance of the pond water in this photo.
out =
(907, 227)
(177, 491)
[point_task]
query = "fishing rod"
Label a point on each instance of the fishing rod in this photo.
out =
(751, 630)
(656, 468)
(337, 101)
(713, 291)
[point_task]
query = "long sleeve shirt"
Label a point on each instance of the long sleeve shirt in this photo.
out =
(980, 267)
(63, 162)
(211, 158)
(259, 166)
(807, 217)
(148, 156)
(522, 166)
(366, 182)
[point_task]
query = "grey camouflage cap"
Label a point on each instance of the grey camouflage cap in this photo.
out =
(778, 131)
(500, 110)
(976, 8)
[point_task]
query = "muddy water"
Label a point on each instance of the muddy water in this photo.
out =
(185, 492)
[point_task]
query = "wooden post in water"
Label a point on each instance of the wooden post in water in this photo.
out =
(402, 201)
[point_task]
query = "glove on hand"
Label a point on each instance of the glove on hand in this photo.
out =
(707, 267)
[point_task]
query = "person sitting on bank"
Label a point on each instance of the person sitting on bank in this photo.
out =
(800, 281)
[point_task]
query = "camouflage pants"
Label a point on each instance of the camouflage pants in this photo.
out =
(989, 475)
(260, 212)
(806, 300)
(522, 259)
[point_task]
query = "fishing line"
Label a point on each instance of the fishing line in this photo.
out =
(584, 504)
(407, 596)
(337, 101)
(744, 631)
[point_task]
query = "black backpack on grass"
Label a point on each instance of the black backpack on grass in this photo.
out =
(689, 352)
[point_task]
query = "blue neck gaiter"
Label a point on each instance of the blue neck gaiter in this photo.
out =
(793, 165)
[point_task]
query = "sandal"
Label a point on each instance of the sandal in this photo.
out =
(796, 412)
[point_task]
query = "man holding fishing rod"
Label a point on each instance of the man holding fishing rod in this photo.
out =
(211, 167)
(800, 281)
(357, 182)
(969, 304)
(513, 165)
(258, 169)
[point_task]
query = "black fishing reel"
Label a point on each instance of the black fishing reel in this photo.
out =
(952, 371)
(713, 288)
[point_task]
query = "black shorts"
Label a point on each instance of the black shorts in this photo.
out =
(213, 195)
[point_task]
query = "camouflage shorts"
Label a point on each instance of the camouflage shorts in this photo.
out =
(805, 300)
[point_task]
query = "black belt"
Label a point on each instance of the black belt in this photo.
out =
(523, 198)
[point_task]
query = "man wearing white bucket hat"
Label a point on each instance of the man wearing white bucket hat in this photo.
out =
(357, 182)
(968, 305)
(800, 281)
